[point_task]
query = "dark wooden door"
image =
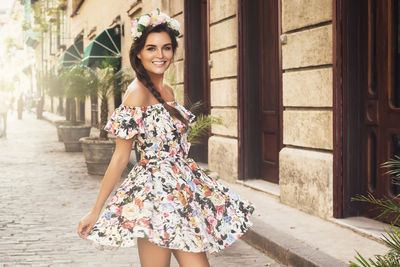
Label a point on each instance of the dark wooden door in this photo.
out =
(269, 89)
(197, 77)
(382, 102)
(259, 87)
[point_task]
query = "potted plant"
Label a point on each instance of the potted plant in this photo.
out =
(77, 80)
(107, 81)
(54, 88)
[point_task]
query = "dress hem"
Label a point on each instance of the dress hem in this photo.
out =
(107, 246)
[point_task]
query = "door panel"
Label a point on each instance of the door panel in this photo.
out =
(382, 112)
(259, 83)
(269, 89)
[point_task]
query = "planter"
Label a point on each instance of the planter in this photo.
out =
(64, 122)
(98, 153)
(71, 135)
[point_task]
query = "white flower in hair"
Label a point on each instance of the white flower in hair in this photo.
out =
(153, 19)
(144, 20)
(175, 25)
(164, 17)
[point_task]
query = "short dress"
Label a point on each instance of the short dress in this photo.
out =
(167, 198)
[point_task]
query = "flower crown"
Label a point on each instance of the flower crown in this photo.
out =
(153, 19)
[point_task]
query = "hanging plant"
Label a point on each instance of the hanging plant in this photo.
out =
(39, 18)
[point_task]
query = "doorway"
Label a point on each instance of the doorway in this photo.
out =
(259, 83)
(369, 56)
(197, 73)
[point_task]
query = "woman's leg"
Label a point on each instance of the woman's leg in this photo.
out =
(191, 259)
(152, 255)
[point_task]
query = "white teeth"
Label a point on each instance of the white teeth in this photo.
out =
(159, 63)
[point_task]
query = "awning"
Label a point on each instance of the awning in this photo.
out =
(72, 55)
(105, 45)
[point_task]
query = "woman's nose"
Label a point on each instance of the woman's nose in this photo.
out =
(160, 53)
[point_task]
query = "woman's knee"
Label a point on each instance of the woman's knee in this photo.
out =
(191, 259)
(151, 255)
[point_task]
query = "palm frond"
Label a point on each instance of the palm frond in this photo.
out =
(201, 126)
(392, 239)
(394, 165)
(76, 81)
(386, 206)
(194, 107)
(387, 260)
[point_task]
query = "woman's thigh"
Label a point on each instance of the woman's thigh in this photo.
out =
(191, 259)
(152, 255)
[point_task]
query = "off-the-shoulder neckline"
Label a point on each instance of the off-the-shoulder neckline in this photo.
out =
(149, 106)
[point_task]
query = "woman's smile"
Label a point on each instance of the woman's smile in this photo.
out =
(159, 63)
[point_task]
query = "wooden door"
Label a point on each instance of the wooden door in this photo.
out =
(367, 104)
(260, 87)
(269, 90)
(382, 96)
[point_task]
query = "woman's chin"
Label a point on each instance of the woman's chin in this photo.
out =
(157, 71)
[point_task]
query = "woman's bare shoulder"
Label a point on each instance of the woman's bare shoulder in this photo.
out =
(170, 93)
(135, 95)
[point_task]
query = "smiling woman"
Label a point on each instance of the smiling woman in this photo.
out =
(167, 202)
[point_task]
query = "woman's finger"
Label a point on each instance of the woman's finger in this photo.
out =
(87, 230)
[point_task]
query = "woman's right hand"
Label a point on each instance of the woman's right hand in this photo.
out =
(86, 224)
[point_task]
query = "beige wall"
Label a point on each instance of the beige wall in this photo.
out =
(223, 55)
(305, 173)
(176, 72)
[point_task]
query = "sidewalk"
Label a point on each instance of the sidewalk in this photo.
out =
(295, 238)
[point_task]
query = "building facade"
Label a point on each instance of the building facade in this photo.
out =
(306, 89)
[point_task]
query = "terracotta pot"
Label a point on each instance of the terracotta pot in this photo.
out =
(98, 153)
(71, 135)
(64, 122)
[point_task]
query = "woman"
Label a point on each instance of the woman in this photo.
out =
(167, 202)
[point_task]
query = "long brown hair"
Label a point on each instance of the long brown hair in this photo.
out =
(141, 72)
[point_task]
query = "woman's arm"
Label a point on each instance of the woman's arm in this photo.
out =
(113, 173)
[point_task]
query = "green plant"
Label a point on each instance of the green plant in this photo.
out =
(52, 84)
(107, 81)
(387, 207)
(78, 81)
(201, 127)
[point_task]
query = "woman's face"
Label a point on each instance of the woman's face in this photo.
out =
(157, 53)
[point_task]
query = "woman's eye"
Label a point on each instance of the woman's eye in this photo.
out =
(151, 49)
(168, 48)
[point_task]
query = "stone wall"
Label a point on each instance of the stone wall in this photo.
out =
(305, 172)
(175, 74)
(223, 56)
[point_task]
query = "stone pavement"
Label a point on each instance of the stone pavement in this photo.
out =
(44, 192)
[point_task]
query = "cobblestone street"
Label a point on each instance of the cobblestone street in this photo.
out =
(45, 191)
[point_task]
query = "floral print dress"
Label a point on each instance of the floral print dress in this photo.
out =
(166, 197)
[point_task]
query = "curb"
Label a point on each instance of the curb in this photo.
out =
(287, 249)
